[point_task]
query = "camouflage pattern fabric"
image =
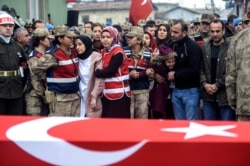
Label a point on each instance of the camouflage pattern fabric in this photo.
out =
(238, 73)
(38, 67)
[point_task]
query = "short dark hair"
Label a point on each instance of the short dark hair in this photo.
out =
(218, 21)
(89, 22)
(231, 18)
(148, 26)
(118, 27)
(151, 22)
(35, 22)
(184, 26)
(35, 40)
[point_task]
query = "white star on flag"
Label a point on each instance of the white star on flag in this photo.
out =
(198, 130)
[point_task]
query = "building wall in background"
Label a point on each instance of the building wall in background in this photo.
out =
(39, 9)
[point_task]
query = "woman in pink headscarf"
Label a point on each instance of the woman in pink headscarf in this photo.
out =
(116, 92)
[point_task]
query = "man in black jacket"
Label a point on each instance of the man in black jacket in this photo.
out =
(186, 94)
(11, 55)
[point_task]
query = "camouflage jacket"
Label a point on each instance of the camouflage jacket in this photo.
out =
(238, 72)
(38, 68)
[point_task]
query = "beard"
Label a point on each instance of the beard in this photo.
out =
(218, 40)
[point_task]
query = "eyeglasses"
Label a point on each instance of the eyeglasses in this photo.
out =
(204, 23)
(197, 23)
(246, 22)
(130, 37)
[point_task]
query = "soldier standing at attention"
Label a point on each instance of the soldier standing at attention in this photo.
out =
(11, 53)
(35, 104)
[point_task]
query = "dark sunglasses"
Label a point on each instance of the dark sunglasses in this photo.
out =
(246, 22)
(197, 23)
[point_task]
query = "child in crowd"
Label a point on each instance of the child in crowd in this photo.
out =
(160, 93)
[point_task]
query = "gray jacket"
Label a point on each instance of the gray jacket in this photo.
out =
(205, 73)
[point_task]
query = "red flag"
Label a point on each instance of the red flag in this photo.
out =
(139, 10)
(244, 6)
(69, 1)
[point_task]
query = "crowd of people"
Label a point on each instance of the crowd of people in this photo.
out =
(156, 70)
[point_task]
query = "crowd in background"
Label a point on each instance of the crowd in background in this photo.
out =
(158, 70)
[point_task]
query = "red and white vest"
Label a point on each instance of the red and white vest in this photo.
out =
(118, 85)
(64, 77)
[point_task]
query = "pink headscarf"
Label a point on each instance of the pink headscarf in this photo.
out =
(113, 32)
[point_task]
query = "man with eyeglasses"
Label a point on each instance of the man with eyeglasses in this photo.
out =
(246, 22)
(11, 87)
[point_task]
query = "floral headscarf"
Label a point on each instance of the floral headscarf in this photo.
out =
(113, 32)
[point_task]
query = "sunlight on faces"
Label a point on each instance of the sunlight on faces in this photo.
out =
(79, 46)
(106, 39)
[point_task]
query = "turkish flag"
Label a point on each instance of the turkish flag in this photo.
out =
(69, 1)
(139, 10)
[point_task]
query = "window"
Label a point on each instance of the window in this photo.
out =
(85, 18)
(108, 21)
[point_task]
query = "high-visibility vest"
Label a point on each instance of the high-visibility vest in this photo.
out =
(64, 77)
(116, 86)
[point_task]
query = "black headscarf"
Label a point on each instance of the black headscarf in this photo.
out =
(88, 44)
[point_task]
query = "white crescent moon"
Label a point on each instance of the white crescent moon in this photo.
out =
(144, 2)
(33, 138)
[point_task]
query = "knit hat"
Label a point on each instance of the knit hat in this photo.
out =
(6, 19)
(41, 32)
(49, 26)
(237, 21)
(166, 52)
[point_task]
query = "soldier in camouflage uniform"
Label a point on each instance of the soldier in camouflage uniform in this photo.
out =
(35, 104)
(62, 92)
(204, 29)
(238, 75)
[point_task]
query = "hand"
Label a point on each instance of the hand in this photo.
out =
(171, 75)
(150, 72)
(159, 78)
(134, 74)
(214, 87)
(155, 52)
(210, 89)
(233, 107)
(92, 103)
